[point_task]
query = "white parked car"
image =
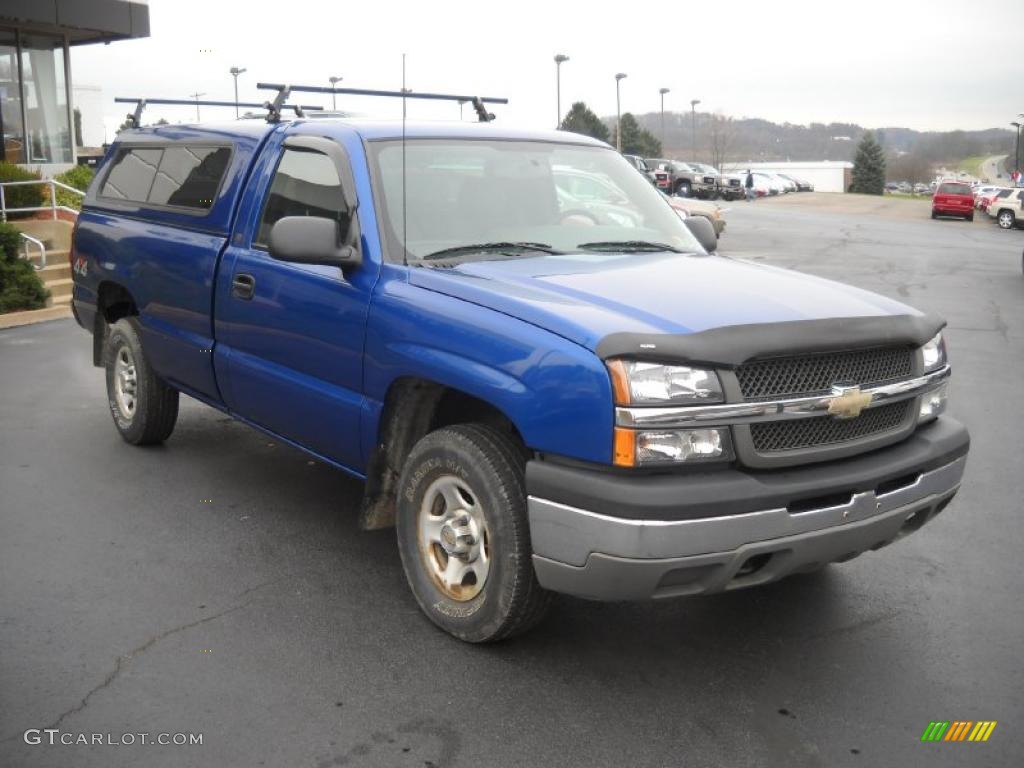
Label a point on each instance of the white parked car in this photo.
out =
(1007, 208)
(768, 181)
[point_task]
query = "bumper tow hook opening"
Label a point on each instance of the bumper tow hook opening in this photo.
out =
(753, 564)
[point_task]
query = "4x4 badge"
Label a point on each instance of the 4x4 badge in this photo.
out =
(848, 402)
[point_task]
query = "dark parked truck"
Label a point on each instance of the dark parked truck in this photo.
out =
(539, 399)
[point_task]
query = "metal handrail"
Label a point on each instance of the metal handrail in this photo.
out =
(42, 251)
(52, 207)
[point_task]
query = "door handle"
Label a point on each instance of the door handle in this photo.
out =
(243, 286)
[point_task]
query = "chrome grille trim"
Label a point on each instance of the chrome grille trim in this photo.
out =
(769, 410)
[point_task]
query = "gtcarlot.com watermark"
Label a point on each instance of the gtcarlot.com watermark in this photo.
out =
(54, 736)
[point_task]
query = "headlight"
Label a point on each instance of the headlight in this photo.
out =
(933, 405)
(934, 353)
(643, 448)
(637, 383)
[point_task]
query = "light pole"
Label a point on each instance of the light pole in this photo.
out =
(334, 97)
(663, 91)
(693, 115)
(618, 112)
(560, 58)
(196, 97)
(462, 103)
(1016, 151)
(235, 72)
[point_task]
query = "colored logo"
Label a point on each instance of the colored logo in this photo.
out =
(958, 730)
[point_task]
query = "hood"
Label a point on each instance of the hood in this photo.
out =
(586, 297)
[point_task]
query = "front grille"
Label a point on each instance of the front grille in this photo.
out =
(775, 436)
(709, 179)
(815, 374)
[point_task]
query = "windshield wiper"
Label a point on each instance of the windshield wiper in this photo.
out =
(509, 248)
(627, 245)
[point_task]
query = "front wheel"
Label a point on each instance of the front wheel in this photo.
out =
(683, 189)
(1005, 219)
(144, 408)
(463, 534)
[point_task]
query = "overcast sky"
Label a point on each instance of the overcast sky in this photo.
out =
(925, 64)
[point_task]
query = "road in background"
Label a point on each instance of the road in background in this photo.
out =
(993, 167)
(217, 584)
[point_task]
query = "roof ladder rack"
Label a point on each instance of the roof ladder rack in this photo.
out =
(478, 102)
(274, 109)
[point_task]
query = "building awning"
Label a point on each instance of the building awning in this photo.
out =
(83, 21)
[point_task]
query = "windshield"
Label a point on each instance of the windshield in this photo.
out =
(496, 194)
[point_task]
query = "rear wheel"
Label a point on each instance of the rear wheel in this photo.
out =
(969, 217)
(1005, 219)
(934, 214)
(463, 534)
(143, 407)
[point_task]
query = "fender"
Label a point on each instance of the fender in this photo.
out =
(555, 392)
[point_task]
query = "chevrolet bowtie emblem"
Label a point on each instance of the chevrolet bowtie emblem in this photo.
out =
(848, 402)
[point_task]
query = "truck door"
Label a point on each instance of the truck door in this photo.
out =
(291, 335)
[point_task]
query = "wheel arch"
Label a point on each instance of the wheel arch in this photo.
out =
(113, 301)
(413, 407)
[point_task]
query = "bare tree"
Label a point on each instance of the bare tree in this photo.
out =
(721, 134)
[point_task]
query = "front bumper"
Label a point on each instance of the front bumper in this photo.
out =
(718, 537)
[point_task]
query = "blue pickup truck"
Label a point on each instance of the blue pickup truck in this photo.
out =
(542, 394)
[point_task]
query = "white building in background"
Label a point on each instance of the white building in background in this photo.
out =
(88, 100)
(825, 175)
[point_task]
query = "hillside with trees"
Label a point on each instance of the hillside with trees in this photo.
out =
(910, 155)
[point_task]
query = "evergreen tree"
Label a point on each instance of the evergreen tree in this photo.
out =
(637, 140)
(580, 119)
(869, 167)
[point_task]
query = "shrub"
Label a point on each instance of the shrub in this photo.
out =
(26, 196)
(78, 177)
(20, 286)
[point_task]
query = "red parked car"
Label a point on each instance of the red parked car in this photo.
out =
(953, 199)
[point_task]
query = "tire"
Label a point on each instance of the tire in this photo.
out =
(683, 189)
(471, 477)
(143, 407)
(934, 214)
(969, 217)
(1005, 219)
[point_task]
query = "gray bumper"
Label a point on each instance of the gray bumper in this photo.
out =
(611, 558)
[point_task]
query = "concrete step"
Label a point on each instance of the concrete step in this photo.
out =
(55, 270)
(61, 290)
(53, 256)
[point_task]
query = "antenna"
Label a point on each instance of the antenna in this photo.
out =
(405, 214)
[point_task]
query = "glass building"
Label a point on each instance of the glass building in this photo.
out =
(36, 109)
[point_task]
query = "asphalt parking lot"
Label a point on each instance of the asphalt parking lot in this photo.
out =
(217, 584)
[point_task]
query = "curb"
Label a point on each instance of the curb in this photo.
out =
(32, 316)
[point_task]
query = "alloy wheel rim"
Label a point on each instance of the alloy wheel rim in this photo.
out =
(125, 382)
(453, 540)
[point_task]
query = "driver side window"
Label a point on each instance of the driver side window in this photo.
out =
(306, 183)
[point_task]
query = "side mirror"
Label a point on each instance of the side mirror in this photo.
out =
(311, 240)
(700, 228)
